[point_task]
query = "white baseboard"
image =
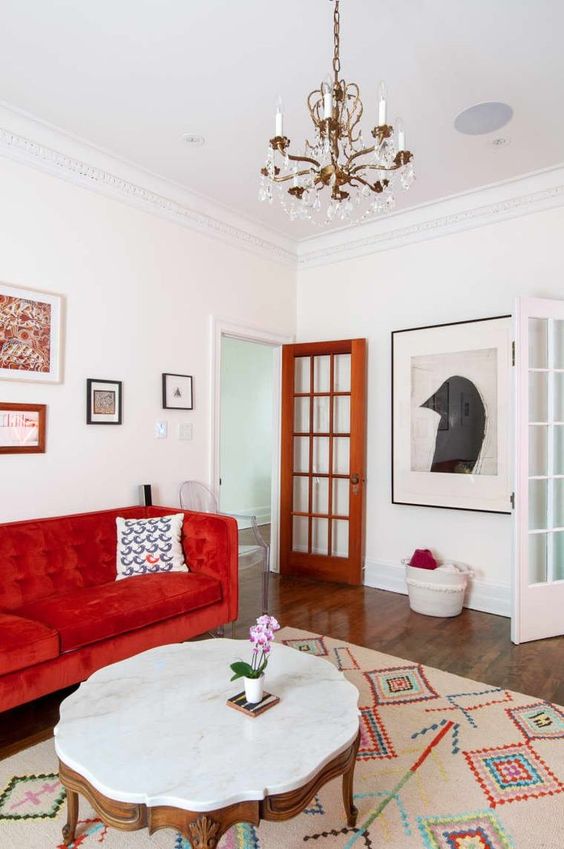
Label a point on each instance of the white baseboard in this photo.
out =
(482, 595)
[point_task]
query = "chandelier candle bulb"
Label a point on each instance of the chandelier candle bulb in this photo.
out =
(381, 104)
(279, 131)
(401, 134)
(327, 99)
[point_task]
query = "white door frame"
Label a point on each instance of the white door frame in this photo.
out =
(220, 328)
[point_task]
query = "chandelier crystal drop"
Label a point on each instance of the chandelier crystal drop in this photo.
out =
(339, 178)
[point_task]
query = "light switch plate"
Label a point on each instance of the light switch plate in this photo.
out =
(161, 430)
(185, 430)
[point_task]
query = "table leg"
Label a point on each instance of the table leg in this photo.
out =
(69, 828)
(348, 779)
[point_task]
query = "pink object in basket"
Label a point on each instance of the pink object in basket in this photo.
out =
(423, 559)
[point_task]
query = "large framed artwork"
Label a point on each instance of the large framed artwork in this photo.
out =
(30, 335)
(22, 428)
(103, 401)
(450, 415)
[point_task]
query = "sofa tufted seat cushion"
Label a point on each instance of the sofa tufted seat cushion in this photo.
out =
(24, 642)
(86, 615)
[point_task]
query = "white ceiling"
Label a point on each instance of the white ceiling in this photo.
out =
(131, 76)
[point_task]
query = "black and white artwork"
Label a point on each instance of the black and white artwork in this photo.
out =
(450, 415)
(454, 413)
(177, 392)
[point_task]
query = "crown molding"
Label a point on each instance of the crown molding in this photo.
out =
(522, 196)
(22, 149)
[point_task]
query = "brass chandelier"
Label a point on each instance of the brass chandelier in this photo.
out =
(339, 177)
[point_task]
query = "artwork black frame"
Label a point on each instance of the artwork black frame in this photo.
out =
(167, 406)
(90, 412)
(395, 333)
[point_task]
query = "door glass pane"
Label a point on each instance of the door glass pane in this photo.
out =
(558, 556)
(340, 497)
(341, 414)
(301, 495)
(558, 343)
(558, 379)
(558, 450)
(538, 343)
(320, 536)
(301, 374)
(321, 374)
(558, 503)
(301, 454)
(342, 373)
(538, 445)
(321, 415)
(340, 538)
(538, 397)
(300, 533)
(320, 495)
(341, 451)
(537, 558)
(538, 503)
(301, 415)
(321, 454)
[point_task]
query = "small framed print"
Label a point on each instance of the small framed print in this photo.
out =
(177, 392)
(22, 428)
(30, 335)
(103, 401)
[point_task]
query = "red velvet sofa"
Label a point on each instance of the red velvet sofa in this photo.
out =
(63, 615)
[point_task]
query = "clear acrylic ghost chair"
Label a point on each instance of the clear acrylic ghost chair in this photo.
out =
(199, 497)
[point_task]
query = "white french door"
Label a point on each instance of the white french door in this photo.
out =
(538, 581)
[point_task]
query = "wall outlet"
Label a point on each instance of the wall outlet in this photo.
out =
(185, 430)
(161, 430)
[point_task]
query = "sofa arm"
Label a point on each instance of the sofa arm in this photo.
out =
(211, 546)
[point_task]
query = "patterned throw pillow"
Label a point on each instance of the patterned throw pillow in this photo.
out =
(146, 546)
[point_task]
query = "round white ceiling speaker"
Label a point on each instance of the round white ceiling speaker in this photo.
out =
(483, 118)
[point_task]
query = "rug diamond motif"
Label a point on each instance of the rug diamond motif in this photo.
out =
(539, 721)
(480, 830)
(374, 740)
(32, 797)
(313, 645)
(400, 685)
(512, 773)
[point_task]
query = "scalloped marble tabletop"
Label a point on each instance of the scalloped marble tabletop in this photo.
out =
(155, 729)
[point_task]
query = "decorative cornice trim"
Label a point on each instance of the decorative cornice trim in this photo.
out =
(432, 228)
(481, 595)
(25, 150)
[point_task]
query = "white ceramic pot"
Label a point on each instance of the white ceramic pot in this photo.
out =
(254, 689)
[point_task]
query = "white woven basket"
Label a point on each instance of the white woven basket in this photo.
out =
(436, 593)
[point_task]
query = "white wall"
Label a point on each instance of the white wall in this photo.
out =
(472, 274)
(139, 293)
(247, 371)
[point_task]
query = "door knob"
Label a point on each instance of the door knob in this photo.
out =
(355, 479)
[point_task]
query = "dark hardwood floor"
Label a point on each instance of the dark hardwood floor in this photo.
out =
(475, 645)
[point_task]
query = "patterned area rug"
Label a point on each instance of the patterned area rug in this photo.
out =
(444, 763)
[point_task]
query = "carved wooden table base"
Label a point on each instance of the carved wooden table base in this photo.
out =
(204, 830)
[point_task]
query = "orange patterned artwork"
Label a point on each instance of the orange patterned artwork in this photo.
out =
(28, 334)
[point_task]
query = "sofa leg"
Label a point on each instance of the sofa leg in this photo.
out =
(220, 631)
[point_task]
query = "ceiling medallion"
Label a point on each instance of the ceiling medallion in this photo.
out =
(338, 156)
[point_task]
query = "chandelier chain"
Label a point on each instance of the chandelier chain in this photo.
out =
(336, 40)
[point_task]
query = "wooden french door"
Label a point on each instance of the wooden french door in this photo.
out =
(538, 580)
(323, 460)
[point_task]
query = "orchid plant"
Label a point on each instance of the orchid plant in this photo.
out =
(261, 636)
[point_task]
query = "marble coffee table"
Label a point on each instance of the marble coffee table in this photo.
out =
(151, 743)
